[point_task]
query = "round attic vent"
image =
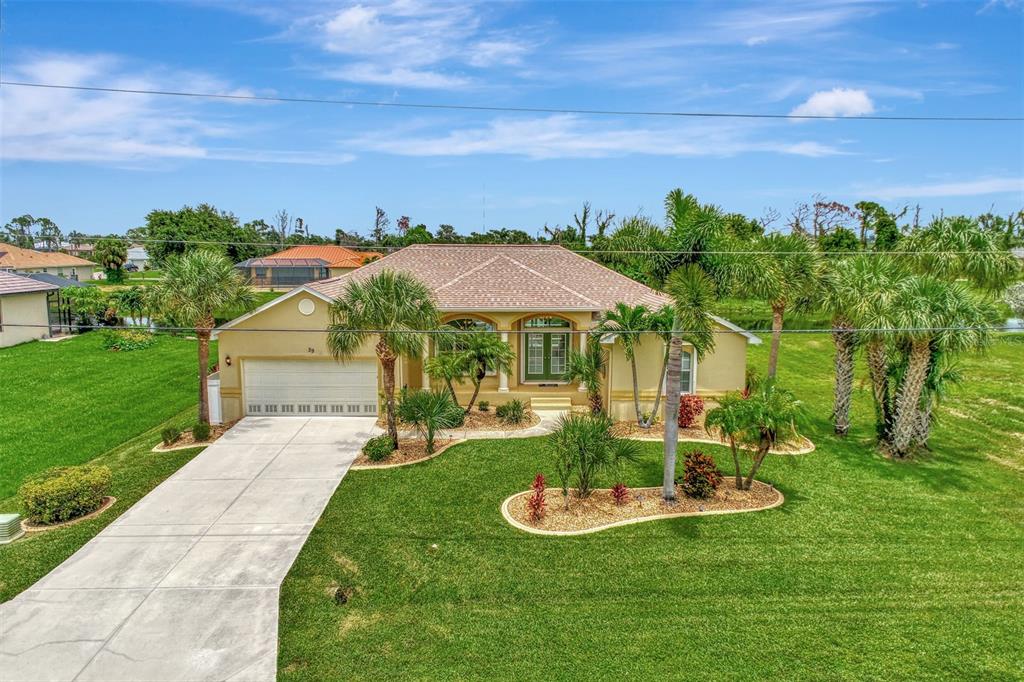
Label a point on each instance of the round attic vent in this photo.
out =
(306, 306)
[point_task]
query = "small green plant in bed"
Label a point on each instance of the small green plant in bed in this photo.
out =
(201, 432)
(512, 412)
(64, 493)
(170, 435)
(429, 412)
(127, 339)
(378, 448)
(484, 405)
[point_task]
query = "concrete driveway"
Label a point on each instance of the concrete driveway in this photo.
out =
(184, 585)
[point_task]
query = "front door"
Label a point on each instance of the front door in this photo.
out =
(546, 351)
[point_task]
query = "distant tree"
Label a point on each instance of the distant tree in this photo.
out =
(176, 232)
(20, 231)
(282, 226)
(418, 235)
(1008, 231)
(840, 239)
(49, 234)
(76, 238)
(402, 225)
(112, 253)
(877, 221)
(502, 236)
(446, 234)
(582, 220)
(130, 303)
(380, 226)
(603, 220)
(346, 238)
(742, 228)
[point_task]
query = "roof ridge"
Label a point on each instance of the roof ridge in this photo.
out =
(469, 272)
(558, 284)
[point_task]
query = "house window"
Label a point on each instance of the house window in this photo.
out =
(686, 374)
(547, 348)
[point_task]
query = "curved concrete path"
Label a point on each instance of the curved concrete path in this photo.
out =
(184, 585)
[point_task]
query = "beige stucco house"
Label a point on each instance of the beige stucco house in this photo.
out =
(25, 261)
(24, 309)
(275, 361)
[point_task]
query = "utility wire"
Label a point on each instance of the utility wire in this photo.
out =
(531, 110)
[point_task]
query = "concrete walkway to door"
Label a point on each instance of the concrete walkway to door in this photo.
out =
(184, 585)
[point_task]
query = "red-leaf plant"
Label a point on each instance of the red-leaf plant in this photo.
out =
(619, 493)
(690, 407)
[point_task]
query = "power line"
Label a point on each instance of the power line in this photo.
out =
(527, 110)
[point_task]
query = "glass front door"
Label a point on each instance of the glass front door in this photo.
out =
(546, 351)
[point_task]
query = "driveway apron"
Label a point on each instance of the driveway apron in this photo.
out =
(184, 585)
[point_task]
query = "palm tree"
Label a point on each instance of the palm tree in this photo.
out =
(785, 276)
(449, 368)
(692, 291)
(482, 352)
(628, 323)
(660, 323)
(430, 411)
(587, 367)
(194, 286)
(396, 308)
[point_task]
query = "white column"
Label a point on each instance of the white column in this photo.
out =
(503, 376)
(583, 349)
(424, 379)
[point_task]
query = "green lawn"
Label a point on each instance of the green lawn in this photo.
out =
(871, 569)
(71, 401)
(136, 470)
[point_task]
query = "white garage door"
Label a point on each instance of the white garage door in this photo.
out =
(310, 387)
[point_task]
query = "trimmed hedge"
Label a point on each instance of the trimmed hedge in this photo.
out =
(63, 493)
(378, 448)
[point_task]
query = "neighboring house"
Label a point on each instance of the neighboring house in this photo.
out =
(137, 256)
(81, 250)
(302, 264)
(25, 261)
(533, 296)
(23, 301)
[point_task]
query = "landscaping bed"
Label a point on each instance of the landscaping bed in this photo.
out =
(187, 440)
(630, 429)
(410, 451)
(478, 421)
(599, 510)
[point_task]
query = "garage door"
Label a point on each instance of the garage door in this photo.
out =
(310, 388)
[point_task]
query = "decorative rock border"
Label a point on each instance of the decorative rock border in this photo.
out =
(371, 467)
(625, 522)
(160, 447)
(31, 528)
(809, 448)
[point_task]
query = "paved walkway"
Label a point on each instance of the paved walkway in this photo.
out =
(184, 585)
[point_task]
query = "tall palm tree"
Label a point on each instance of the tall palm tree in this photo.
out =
(395, 307)
(785, 276)
(193, 287)
(629, 323)
(587, 367)
(483, 352)
(692, 291)
(660, 323)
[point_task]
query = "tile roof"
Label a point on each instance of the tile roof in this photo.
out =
(512, 277)
(18, 258)
(334, 256)
(16, 284)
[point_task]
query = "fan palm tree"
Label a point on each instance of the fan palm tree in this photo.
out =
(942, 374)
(692, 291)
(785, 276)
(480, 353)
(193, 287)
(395, 307)
(628, 323)
(587, 367)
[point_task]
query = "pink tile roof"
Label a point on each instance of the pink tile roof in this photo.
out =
(499, 277)
(334, 256)
(16, 284)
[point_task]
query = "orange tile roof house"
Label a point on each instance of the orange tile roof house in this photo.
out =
(24, 261)
(302, 264)
(540, 299)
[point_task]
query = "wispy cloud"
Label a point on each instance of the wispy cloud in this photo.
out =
(836, 102)
(962, 188)
(571, 136)
(123, 129)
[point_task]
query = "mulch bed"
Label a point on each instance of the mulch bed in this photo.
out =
(409, 451)
(185, 440)
(631, 429)
(478, 421)
(30, 527)
(599, 510)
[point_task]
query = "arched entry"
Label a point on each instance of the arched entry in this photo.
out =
(546, 348)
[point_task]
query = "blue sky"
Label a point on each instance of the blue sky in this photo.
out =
(100, 162)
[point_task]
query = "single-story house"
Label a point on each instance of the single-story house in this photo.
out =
(23, 301)
(25, 261)
(302, 264)
(275, 360)
(137, 256)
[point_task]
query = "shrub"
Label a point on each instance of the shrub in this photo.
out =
(64, 493)
(201, 432)
(484, 405)
(539, 483)
(537, 505)
(429, 412)
(620, 493)
(700, 476)
(584, 446)
(170, 435)
(512, 412)
(690, 407)
(378, 448)
(126, 339)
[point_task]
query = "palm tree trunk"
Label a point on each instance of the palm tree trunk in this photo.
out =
(476, 392)
(203, 334)
(909, 397)
(773, 353)
(674, 372)
(636, 391)
(657, 397)
(762, 452)
(924, 424)
(451, 389)
(843, 339)
(387, 363)
(878, 369)
(736, 463)
(596, 403)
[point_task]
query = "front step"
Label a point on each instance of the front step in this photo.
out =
(550, 402)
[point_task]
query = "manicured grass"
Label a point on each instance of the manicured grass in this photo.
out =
(70, 401)
(135, 471)
(871, 569)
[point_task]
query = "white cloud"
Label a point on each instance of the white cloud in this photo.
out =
(964, 188)
(120, 128)
(756, 40)
(571, 136)
(836, 102)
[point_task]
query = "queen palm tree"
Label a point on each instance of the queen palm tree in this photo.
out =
(692, 291)
(394, 307)
(628, 322)
(193, 287)
(587, 367)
